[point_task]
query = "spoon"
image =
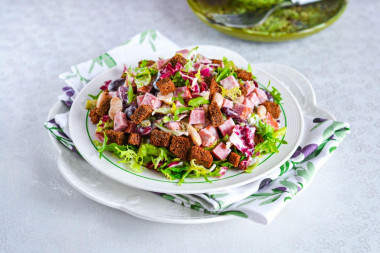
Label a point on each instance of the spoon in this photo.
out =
(252, 18)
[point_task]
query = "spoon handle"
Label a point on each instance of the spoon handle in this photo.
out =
(302, 2)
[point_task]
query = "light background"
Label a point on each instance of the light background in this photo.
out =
(40, 212)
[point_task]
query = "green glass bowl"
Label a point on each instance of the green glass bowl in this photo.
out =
(265, 36)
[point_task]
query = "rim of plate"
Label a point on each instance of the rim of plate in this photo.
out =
(158, 185)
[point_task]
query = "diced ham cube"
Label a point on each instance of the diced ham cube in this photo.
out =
(261, 95)
(254, 99)
(209, 136)
(131, 127)
(151, 100)
(197, 116)
(227, 127)
(248, 103)
(165, 98)
(229, 82)
(249, 86)
(186, 94)
(120, 122)
(271, 121)
(139, 99)
(173, 125)
(243, 110)
(221, 152)
(228, 103)
(145, 89)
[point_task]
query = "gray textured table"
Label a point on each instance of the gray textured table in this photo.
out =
(40, 212)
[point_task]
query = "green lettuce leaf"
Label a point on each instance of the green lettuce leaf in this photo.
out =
(196, 102)
(142, 77)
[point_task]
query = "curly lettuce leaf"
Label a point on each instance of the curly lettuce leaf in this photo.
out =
(231, 93)
(271, 138)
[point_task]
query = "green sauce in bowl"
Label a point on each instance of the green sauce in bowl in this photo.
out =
(283, 24)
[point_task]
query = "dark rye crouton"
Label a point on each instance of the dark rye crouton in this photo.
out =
(258, 139)
(272, 108)
(215, 61)
(212, 84)
(166, 86)
(177, 58)
(244, 75)
(142, 112)
(202, 157)
(115, 137)
(216, 115)
(134, 139)
(234, 159)
(180, 147)
(94, 116)
(160, 138)
(104, 106)
(148, 63)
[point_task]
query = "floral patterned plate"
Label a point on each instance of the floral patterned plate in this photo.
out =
(83, 133)
(87, 180)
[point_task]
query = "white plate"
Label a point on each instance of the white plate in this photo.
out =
(83, 133)
(142, 204)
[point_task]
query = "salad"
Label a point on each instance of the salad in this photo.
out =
(187, 117)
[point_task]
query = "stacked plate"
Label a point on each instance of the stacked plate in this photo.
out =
(116, 185)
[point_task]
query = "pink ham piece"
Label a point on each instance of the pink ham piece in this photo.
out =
(186, 94)
(209, 136)
(174, 125)
(248, 103)
(228, 103)
(139, 99)
(229, 82)
(243, 110)
(151, 100)
(254, 99)
(227, 127)
(261, 95)
(221, 151)
(120, 122)
(249, 86)
(197, 116)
